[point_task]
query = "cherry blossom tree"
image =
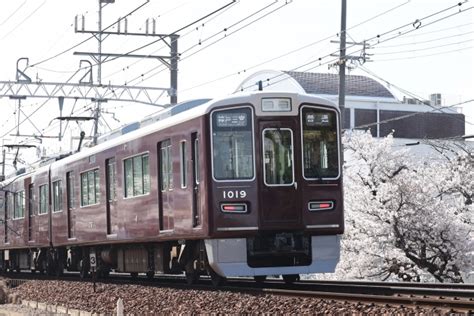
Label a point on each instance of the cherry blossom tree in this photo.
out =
(407, 217)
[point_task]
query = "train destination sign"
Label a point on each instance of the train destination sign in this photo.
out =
(234, 119)
(317, 119)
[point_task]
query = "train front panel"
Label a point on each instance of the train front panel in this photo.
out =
(276, 197)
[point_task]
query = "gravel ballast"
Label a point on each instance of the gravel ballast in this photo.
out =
(142, 300)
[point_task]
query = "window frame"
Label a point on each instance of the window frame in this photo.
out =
(97, 194)
(40, 210)
(15, 204)
(124, 176)
(338, 137)
(292, 157)
(60, 196)
(183, 165)
(252, 115)
(166, 147)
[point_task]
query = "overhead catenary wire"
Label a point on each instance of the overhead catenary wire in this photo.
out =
(13, 13)
(313, 43)
(401, 117)
(413, 95)
(426, 41)
(206, 21)
(379, 36)
(24, 20)
(425, 48)
(89, 38)
(244, 70)
(227, 35)
(426, 55)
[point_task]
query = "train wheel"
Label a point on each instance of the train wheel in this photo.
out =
(134, 275)
(105, 273)
(59, 268)
(192, 276)
(260, 278)
(216, 279)
(150, 275)
(291, 278)
(83, 271)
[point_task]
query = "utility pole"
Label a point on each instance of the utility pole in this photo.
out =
(342, 63)
(2, 175)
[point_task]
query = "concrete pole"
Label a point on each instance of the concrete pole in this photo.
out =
(342, 63)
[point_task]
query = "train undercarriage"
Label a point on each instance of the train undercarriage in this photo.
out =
(269, 252)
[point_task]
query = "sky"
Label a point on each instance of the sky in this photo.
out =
(420, 46)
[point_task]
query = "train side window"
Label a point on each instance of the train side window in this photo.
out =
(19, 205)
(43, 199)
(137, 175)
(183, 161)
(57, 196)
(90, 187)
(166, 166)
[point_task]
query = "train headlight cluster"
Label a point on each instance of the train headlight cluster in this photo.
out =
(234, 208)
(320, 206)
(276, 104)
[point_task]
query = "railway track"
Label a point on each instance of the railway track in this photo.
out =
(449, 297)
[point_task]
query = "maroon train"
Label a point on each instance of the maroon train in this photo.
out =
(249, 185)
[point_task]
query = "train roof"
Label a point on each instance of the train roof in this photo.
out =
(184, 112)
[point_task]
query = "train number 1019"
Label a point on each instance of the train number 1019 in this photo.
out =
(234, 194)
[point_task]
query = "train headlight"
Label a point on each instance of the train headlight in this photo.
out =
(234, 207)
(276, 104)
(320, 206)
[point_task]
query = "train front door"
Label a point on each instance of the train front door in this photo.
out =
(280, 201)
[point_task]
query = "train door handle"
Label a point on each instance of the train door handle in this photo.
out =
(295, 184)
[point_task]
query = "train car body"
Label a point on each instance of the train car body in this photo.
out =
(248, 185)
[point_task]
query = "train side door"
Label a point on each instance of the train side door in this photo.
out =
(280, 196)
(111, 195)
(71, 217)
(7, 209)
(31, 203)
(165, 185)
(196, 194)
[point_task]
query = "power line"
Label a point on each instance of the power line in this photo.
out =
(171, 41)
(439, 30)
(23, 21)
(413, 95)
(227, 35)
(427, 55)
(162, 69)
(401, 117)
(424, 42)
(89, 38)
(378, 36)
(13, 13)
(180, 29)
(296, 50)
(425, 48)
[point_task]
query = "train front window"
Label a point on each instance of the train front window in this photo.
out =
(278, 156)
(320, 143)
(232, 144)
